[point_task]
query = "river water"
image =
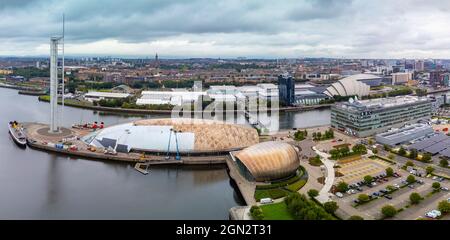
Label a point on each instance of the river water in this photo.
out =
(40, 185)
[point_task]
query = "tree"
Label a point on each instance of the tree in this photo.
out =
(370, 141)
(443, 163)
(256, 212)
(388, 211)
(330, 207)
(411, 179)
(389, 172)
(387, 148)
(402, 151)
(413, 154)
(368, 179)
(342, 186)
(363, 197)
(426, 157)
(436, 186)
(429, 169)
(391, 156)
(415, 198)
(409, 164)
(359, 148)
(390, 188)
(444, 206)
(355, 217)
(312, 193)
(375, 151)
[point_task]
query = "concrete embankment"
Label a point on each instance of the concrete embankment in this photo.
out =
(150, 159)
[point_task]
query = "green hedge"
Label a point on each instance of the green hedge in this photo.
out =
(270, 193)
(296, 186)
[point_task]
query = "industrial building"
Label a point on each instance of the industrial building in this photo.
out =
(175, 98)
(267, 161)
(188, 136)
(434, 144)
(363, 118)
(405, 134)
(306, 94)
(96, 96)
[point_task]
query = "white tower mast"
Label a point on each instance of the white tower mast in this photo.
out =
(62, 74)
(53, 83)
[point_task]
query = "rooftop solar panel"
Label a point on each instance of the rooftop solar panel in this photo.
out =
(436, 148)
(422, 144)
(446, 152)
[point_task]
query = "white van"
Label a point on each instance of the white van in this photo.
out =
(266, 200)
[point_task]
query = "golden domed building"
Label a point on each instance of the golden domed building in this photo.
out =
(267, 161)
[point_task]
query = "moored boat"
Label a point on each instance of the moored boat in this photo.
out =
(17, 134)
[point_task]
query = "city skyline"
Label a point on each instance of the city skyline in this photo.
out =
(229, 29)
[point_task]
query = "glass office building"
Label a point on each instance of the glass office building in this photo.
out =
(368, 117)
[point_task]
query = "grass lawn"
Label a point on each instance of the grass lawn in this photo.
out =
(276, 211)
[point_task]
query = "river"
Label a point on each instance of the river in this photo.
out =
(39, 185)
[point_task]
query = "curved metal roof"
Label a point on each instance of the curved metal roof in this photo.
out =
(348, 87)
(270, 160)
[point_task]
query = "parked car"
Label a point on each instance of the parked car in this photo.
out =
(444, 188)
(420, 181)
(396, 186)
(339, 195)
(433, 214)
(359, 189)
(376, 194)
(441, 179)
(266, 200)
(356, 201)
(384, 191)
(373, 183)
(388, 196)
(411, 186)
(434, 178)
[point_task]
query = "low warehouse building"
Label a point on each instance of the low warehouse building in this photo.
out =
(405, 134)
(267, 161)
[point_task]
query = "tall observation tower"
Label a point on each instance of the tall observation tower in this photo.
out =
(55, 42)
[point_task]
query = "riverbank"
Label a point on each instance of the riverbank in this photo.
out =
(79, 104)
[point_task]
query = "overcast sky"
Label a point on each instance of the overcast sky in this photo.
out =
(230, 28)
